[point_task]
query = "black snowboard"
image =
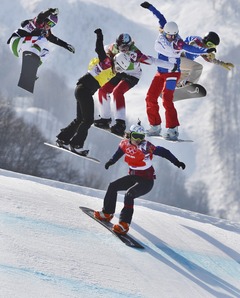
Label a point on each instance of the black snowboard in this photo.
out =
(108, 130)
(30, 64)
(127, 239)
(74, 153)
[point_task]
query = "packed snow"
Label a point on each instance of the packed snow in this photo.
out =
(49, 248)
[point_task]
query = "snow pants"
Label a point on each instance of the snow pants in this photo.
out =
(191, 70)
(76, 132)
(136, 186)
(118, 87)
(164, 83)
(36, 44)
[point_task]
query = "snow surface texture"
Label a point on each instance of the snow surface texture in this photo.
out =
(49, 248)
(213, 160)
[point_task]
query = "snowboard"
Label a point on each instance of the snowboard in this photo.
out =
(74, 153)
(126, 239)
(30, 64)
(173, 141)
(108, 130)
(190, 91)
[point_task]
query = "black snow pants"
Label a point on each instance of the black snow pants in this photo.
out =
(136, 186)
(76, 132)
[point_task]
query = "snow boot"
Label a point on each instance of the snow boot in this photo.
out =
(119, 127)
(103, 123)
(171, 134)
(100, 215)
(121, 228)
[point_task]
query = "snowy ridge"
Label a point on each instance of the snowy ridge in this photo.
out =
(50, 249)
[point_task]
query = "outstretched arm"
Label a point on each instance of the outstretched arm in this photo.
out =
(163, 152)
(149, 60)
(99, 45)
(116, 156)
(226, 65)
(161, 19)
(52, 38)
(194, 50)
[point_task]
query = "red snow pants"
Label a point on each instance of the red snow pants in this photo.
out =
(164, 83)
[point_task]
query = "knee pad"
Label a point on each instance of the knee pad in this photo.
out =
(171, 83)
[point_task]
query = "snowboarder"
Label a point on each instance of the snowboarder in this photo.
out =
(100, 71)
(121, 83)
(35, 33)
(192, 70)
(138, 155)
(169, 46)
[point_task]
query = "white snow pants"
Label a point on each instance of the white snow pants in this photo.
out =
(190, 70)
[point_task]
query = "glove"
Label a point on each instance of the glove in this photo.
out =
(181, 165)
(174, 68)
(98, 31)
(145, 4)
(54, 11)
(211, 50)
(228, 66)
(109, 163)
(70, 48)
(211, 56)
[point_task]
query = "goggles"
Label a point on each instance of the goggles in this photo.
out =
(137, 136)
(50, 23)
(124, 47)
(210, 44)
(170, 36)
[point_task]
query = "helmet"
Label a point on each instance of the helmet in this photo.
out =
(124, 42)
(211, 37)
(171, 28)
(137, 128)
(121, 62)
(51, 20)
(137, 132)
(124, 38)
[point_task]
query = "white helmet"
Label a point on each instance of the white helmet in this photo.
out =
(137, 128)
(137, 133)
(171, 28)
(121, 62)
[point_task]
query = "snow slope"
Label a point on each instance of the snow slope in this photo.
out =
(50, 249)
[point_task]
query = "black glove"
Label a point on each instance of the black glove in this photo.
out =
(54, 11)
(145, 4)
(211, 50)
(98, 31)
(109, 163)
(181, 165)
(70, 48)
(174, 68)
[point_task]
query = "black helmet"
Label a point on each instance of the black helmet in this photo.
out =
(211, 37)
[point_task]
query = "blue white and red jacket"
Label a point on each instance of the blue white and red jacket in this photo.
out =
(171, 50)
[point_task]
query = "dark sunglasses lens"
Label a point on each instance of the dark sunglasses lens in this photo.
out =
(139, 136)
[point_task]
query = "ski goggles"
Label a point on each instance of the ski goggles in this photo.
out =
(170, 36)
(137, 136)
(50, 23)
(210, 44)
(124, 47)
